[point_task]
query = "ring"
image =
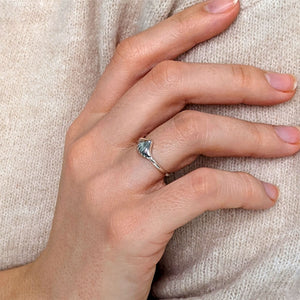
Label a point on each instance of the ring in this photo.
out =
(144, 148)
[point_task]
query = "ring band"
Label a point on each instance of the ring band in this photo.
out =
(144, 148)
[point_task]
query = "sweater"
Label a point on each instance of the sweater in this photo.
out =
(52, 54)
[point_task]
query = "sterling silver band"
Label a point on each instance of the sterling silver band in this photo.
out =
(144, 148)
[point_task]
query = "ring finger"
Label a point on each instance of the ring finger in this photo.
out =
(188, 134)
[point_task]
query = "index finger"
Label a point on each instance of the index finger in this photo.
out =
(136, 55)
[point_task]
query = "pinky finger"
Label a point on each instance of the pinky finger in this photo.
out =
(206, 189)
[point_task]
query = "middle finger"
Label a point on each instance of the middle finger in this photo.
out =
(165, 90)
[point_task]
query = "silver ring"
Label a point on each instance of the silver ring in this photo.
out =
(144, 148)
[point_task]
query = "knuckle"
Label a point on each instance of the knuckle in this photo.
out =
(242, 75)
(248, 186)
(257, 138)
(72, 157)
(185, 22)
(166, 74)
(203, 182)
(179, 24)
(188, 126)
(129, 50)
(76, 156)
(122, 228)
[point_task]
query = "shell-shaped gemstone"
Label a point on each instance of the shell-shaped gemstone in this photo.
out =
(144, 147)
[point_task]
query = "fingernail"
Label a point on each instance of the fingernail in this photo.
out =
(282, 82)
(271, 190)
(220, 6)
(288, 134)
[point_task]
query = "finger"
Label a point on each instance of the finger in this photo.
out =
(136, 55)
(188, 134)
(178, 142)
(201, 190)
(165, 90)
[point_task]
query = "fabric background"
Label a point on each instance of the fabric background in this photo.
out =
(51, 56)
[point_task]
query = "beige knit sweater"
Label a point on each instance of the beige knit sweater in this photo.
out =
(51, 55)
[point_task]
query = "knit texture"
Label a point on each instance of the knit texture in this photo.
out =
(51, 55)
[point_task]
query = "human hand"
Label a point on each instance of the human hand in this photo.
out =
(114, 214)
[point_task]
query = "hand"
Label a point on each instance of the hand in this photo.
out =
(114, 214)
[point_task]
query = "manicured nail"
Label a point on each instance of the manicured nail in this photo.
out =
(288, 134)
(271, 190)
(282, 82)
(220, 6)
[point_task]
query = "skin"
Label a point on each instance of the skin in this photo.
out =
(114, 213)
